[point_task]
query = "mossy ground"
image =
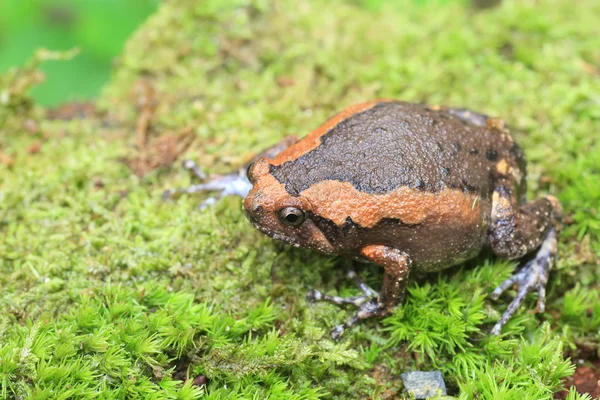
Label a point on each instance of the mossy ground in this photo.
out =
(109, 292)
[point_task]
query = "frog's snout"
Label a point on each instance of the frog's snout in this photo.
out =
(252, 215)
(249, 216)
(252, 208)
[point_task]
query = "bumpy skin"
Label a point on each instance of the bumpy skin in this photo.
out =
(408, 187)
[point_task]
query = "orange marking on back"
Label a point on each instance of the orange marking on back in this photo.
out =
(337, 201)
(495, 123)
(312, 140)
(502, 167)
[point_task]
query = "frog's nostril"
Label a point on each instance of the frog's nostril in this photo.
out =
(254, 213)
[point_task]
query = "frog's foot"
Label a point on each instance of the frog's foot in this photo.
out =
(368, 293)
(368, 304)
(234, 183)
(368, 309)
(191, 166)
(533, 276)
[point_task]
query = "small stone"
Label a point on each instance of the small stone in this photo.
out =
(423, 384)
(200, 380)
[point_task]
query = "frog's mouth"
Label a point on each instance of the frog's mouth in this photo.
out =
(309, 236)
(276, 235)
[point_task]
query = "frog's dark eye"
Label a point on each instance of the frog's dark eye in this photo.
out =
(291, 216)
(249, 171)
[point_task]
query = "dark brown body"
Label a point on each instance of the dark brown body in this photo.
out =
(406, 186)
(394, 144)
(436, 170)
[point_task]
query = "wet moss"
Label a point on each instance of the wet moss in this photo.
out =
(107, 289)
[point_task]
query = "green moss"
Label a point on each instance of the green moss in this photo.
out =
(16, 106)
(532, 370)
(109, 292)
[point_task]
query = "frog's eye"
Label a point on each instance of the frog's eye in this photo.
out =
(249, 171)
(291, 216)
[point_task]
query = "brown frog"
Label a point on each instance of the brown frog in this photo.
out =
(408, 187)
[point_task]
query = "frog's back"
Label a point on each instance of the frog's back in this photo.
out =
(382, 146)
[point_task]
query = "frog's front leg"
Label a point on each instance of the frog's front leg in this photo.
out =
(368, 293)
(396, 266)
(518, 231)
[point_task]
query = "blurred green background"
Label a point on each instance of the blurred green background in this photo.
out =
(98, 27)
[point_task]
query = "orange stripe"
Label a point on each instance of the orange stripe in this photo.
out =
(337, 201)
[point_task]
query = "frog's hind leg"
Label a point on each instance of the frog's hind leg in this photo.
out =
(516, 232)
(469, 116)
(235, 183)
(533, 275)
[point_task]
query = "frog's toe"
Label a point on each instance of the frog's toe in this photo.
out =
(368, 304)
(337, 332)
(368, 293)
(512, 307)
(368, 309)
(191, 166)
(316, 295)
(366, 289)
(541, 304)
(533, 276)
(233, 184)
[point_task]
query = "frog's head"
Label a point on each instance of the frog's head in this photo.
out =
(278, 214)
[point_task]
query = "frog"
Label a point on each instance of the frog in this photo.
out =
(410, 187)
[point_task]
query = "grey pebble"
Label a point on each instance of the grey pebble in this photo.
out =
(423, 384)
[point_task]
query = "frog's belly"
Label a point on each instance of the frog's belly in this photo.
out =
(431, 246)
